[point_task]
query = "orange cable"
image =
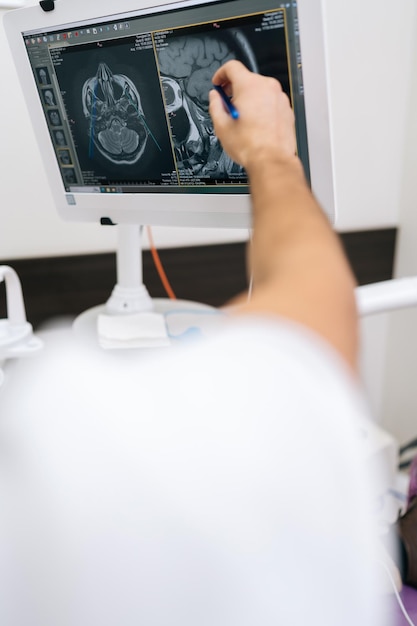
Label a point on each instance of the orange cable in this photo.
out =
(159, 266)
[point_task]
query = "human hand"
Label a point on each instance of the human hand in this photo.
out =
(265, 128)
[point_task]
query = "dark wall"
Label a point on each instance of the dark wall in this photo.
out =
(62, 286)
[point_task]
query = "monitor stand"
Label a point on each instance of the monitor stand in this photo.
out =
(129, 295)
(130, 298)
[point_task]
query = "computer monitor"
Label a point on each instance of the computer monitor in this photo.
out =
(118, 97)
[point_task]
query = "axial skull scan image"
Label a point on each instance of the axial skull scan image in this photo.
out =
(115, 111)
(117, 122)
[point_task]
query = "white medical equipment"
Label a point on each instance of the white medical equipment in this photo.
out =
(16, 334)
(377, 298)
(118, 99)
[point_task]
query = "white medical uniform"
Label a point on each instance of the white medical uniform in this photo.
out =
(216, 484)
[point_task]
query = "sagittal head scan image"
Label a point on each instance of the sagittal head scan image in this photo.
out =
(187, 64)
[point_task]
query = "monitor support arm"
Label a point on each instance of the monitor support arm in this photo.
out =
(129, 294)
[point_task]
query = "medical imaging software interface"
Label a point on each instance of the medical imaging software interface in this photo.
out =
(126, 101)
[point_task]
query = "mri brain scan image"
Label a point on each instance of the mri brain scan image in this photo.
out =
(129, 111)
(187, 65)
(117, 126)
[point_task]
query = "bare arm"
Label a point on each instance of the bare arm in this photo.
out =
(300, 270)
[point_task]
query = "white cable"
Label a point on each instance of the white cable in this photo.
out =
(397, 595)
(250, 287)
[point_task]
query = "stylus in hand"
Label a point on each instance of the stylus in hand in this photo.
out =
(227, 101)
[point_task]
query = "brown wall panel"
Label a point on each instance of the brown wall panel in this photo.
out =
(62, 286)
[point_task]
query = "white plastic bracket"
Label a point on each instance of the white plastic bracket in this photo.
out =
(130, 294)
(16, 334)
(389, 295)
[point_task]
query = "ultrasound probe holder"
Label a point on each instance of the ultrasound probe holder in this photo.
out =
(16, 334)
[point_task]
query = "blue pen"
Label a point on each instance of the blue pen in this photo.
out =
(230, 107)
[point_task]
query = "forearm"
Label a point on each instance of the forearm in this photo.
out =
(300, 270)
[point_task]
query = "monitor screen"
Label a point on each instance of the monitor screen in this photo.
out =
(124, 104)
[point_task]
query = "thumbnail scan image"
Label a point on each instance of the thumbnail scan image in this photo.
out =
(187, 65)
(112, 104)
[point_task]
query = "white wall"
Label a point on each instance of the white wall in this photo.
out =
(400, 387)
(369, 57)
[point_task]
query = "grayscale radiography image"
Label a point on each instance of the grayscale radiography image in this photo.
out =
(187, 65)
(69, 176)
(112, 105)
(115, 111)
(136, 108)
(43, 75)
(59, 138)
(64, 157)
(54, 118)
(49, 97)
